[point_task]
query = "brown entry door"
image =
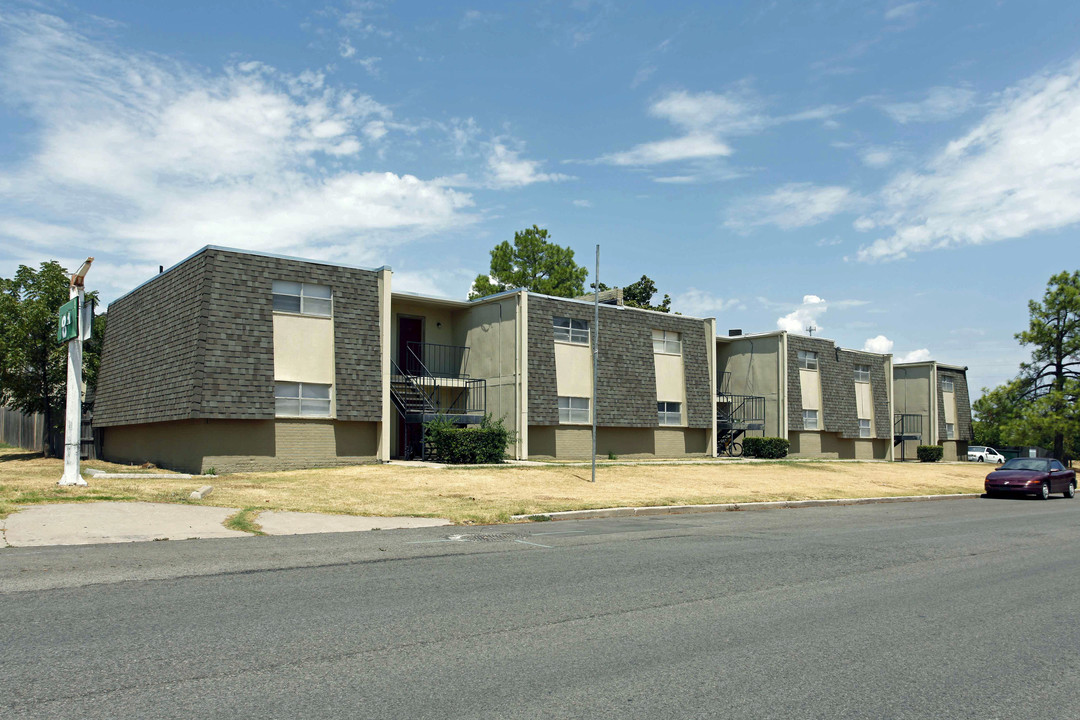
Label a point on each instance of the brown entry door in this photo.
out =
(410, 330)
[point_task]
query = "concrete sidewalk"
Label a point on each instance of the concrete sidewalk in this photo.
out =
(117, 522)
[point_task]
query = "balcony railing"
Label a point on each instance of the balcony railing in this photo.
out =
(443, 361)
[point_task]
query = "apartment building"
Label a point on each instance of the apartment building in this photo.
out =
(238, 360)
(828, 401)
(933, 407)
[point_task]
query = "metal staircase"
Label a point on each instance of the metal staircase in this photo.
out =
(906, 427)
(420, 396)
(736, 415)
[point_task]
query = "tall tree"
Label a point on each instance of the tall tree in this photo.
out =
(532, 263)
(33, 367)
(1049, 385)
(640, 294)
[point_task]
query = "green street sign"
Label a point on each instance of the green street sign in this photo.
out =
(68, 326)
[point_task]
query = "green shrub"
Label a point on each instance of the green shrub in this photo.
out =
(929, 453)
(467, 446)
(771, 448)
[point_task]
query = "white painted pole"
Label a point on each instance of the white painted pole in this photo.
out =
(73, 422)
(595, 355)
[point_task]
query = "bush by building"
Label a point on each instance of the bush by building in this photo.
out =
(770, 448)
(929, 453)
(448, 443)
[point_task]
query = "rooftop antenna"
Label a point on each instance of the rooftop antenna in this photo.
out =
(810, 329)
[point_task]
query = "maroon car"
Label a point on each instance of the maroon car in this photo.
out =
(1032, 476)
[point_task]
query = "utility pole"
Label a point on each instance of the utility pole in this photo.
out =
(73, 328)
(595, 355)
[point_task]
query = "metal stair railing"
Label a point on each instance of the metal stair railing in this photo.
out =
(471, 398)
(408, 396)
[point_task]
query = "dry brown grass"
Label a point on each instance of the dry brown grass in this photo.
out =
(484, 495)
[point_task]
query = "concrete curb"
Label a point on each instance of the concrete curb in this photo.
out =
(721, 507)
(136, 476)
(201, 492)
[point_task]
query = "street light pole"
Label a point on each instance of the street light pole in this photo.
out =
(595, 355)
(73, 423)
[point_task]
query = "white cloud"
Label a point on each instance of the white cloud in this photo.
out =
(508, 170)
(153, 159)
(920, 355)
(791, 206)
(1016, 173)
(583, 203)
(688, 147)
(704, 120)
(877, 157)
(905, 11)
(941, 103)
(879, 344)
(701, 303)
(806, 315)
(829, 241)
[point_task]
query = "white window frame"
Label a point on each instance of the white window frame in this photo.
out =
(312, 406)
(864, 428)
(669, 413)
(950, 431)
(808, 359)
(313, 299)
(947, 385)
(862, 373)
(574, 410)
(569, 330)
(666, 342)
(811, 418)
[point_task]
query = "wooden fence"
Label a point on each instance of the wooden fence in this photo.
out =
(28, 431)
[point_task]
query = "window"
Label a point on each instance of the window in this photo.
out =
(293, 399)
(950, 431)
(670, 413)
(864, 428)
(303, 298)
(862, 373)
(807, 360)
(666, 341)
(573, 410)
(809, 420)
(572, 331)
(947, 384)
(1055, 465)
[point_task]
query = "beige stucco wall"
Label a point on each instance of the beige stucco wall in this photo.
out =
(242, 445)
(438, 323)
(573, 370)
(949, 401)
(670, 379)
(303, 349)
(491, 332)
(810, 385)
(575, 443)
(754, 364)
(912, 396)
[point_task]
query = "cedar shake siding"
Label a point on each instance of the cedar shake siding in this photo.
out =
(197, 342)
(626, 392)
(837, 368)
(964, 432)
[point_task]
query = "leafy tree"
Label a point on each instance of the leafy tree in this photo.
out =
(994, 411)
(640, 295)
(1051, 380)
(33, 367)
(532, 263)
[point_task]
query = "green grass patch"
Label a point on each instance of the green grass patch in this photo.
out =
(244, 521)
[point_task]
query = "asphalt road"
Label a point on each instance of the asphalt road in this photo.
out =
(953, 609)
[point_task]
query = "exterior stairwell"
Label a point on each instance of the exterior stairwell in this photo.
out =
(420, 395)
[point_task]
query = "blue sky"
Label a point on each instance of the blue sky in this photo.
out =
(902, 175)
